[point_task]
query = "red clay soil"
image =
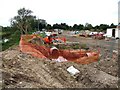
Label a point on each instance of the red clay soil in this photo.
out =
(78, 56)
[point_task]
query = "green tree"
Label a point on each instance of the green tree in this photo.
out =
(88, 26)
(81, 27)
(64, 26)
(22, 20)
(96, 27)
(70, 28)
(48, 26)
(75, 27)
(103, 26)
(56, 26)
(112, 26)
(34, 23)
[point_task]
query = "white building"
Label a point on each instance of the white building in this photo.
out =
(113, 32)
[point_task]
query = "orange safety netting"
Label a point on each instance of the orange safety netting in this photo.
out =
(41, 51)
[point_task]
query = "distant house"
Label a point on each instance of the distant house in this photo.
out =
(113, 32)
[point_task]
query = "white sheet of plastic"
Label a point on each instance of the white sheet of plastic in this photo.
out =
(72, 70)
(89, 54)
(60, 59)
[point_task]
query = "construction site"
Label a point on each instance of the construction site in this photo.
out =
(61, 60)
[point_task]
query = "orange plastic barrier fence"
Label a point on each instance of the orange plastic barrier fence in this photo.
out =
(79, 56)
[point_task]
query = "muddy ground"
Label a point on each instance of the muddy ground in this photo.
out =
(21, 70)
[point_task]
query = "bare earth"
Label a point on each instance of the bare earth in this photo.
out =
(24, 71)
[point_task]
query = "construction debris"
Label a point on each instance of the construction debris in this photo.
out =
(41, 51)
(72, 70)
(60, 59)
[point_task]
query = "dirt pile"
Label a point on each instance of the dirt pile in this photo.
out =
(24, 71)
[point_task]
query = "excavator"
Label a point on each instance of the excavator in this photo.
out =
(49, 39)
(53, 39)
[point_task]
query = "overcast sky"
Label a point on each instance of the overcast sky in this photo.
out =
(63, 11)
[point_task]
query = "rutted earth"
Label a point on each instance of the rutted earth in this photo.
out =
(24, 71)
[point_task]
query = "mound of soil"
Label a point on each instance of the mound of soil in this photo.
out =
(21, 70)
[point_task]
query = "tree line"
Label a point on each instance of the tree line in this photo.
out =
(26, 22)
(87, 26)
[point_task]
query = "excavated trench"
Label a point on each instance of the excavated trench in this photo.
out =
(41, 51)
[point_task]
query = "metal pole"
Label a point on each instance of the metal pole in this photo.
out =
(38, 24)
